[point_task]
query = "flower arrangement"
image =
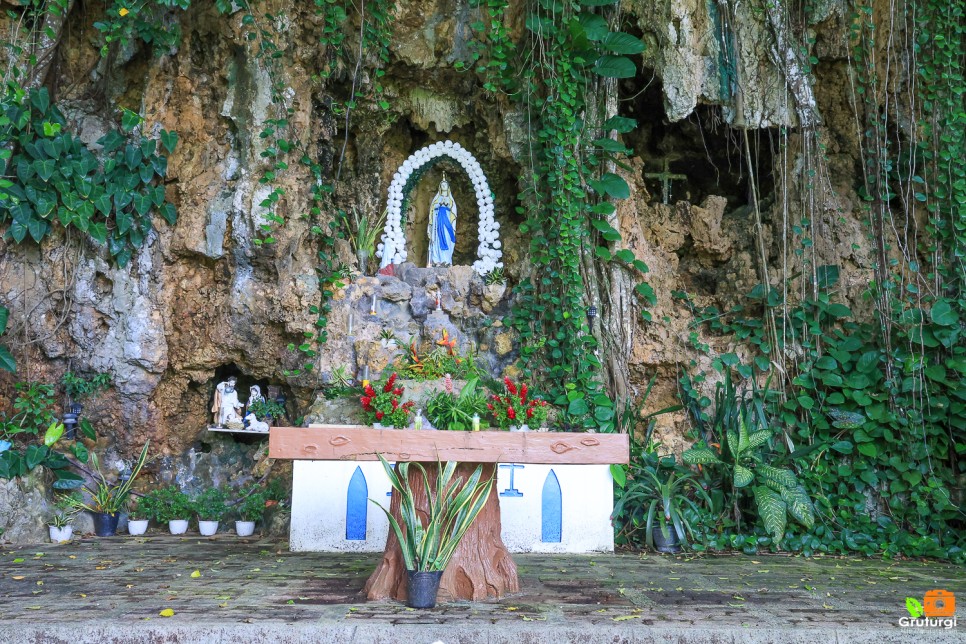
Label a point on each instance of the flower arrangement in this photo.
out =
(385, 406)
(515, 409)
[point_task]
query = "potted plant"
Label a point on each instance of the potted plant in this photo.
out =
(516, 412)
(448, 410)
(251, 507)
(108, 499)
(168, 505)
(385, 407)
(362, 235)
(387, 337)
(428, 544)
(137, 518)
(210, 508)
(267, 409)
(61, 523)
(661, 485)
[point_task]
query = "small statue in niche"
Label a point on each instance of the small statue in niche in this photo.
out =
(442, 227)
(226, 407)
(255, 425)
(254, 395)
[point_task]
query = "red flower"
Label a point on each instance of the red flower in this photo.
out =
(370, 391)
(523, 393)
(389, 383)
(530, 413)
(511, 413)
(397, 391)
(379, 415)
(366, 401)
(489, 406)
(395, 404)
(512, 388)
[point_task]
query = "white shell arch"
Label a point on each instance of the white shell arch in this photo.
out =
(392, 248)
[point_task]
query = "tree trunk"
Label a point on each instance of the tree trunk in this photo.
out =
(480, 569)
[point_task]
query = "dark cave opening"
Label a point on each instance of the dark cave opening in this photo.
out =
(707, 153)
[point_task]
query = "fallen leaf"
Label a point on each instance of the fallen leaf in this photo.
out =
(82, 594)
(512, 608)
(17, 577)
(18, 560)
(100, 567)
(624, 618)
(72, 556)
(167, 612)
(40, 583)
(34, 607)
(196, 574)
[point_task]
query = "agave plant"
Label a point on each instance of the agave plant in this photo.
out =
(453, 506)
(777, 491)
(109, 498)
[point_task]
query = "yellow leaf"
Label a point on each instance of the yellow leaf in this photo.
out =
(82, 594)
(18, 577)
(196, 574)
(123, 12)
(624, 618)
(167, 612)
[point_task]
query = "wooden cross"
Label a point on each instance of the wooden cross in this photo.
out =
(665, 177)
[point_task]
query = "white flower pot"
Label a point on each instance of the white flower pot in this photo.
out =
(245, 528)
(137, 527)
(61, 535)
(207, 528)
(519, 428)
(178, 526)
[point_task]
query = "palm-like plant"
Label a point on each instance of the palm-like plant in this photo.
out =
(109, 498)
(453, 506)
(660, 485)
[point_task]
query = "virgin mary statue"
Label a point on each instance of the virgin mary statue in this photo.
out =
(442, 227)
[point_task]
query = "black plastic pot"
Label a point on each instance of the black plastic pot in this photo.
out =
(422, 588)
(670, 544)
(105, 525)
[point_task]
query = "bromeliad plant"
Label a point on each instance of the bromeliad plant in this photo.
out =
(777, 491)
(448, 410)
(385, 406)
(453, 505)
(515, 408)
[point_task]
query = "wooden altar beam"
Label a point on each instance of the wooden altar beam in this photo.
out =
(361, 443)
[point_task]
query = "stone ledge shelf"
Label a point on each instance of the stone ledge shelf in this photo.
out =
(363, 443)
(228, 430)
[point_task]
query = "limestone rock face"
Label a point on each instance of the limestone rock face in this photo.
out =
(201, 300)
(24, 509)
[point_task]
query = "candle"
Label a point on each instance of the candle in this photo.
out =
(418, 421)
(372, 305)
(349, 328)
(365, 375)
(476, 422)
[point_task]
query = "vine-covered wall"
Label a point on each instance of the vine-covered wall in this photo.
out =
(814, 210)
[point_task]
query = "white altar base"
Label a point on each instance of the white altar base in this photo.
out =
(544, 508)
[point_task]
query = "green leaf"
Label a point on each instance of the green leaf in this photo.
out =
(772, 511)
(826, 276)
(577, 407)
(843, 447)
(779, 476)
(700, 455)
(619, 474)
(621, 124)
(943, 314)
(4, 316)
(81, 453)
(53, 433)
(87, 429)
(799, 505)
(67, 480)
(169, 140)
(622, 43)
(129, 120)
(45, 168)
(610, 66)
(34, 455)
(611, 185)
(40, 98)
(37, 228)
(743, 476)
(7, 363)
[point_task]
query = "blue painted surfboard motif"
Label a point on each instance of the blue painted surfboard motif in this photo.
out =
(356, 507)
(551, 510)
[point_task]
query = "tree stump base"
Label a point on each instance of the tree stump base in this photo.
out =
(480, 569)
